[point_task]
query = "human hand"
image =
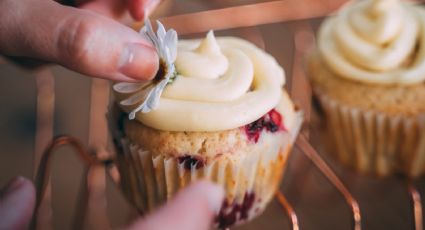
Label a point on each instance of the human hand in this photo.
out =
(17, 202)
(117, 9)
(192, 209)
(78, 39)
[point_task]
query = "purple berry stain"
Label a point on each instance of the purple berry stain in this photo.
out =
(231, 213)
(272, 122)
(189, 161)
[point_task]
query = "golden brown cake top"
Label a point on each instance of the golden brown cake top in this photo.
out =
(395, 100)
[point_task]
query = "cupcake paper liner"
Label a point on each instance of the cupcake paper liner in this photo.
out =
(250, 180)
(373, 142)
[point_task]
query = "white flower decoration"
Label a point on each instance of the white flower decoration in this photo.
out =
(148, 93)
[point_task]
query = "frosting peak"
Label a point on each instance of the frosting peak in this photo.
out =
(379, 6)
(378, 21)
(205, 61)
(376, 41)
(209, 45)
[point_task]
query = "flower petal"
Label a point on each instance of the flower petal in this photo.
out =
(160, 32)
(144, 107)
(167, 55)
(144, 33)
(132, 114)
(162, 52)
(151, 103)
(137, 97)
(171, 71)
(171, 42)
(150, 33)
(156, 95)
(125, 87)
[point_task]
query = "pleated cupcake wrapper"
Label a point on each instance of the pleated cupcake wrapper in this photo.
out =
(373, 142)
(148, 180)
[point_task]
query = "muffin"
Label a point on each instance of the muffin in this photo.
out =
(225, 118)
(368, 74)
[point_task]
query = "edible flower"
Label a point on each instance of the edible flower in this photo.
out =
(149, 93)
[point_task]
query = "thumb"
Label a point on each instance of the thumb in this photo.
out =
(17, 202)
(192, 209)
(78, 39)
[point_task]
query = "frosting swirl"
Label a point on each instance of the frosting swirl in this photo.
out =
(376, 41)
(222, 83)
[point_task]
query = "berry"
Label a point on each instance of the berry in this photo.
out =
(189, 161)
(272, 122)
(230, 213)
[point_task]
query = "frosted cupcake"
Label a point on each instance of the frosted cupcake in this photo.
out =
(369, 76)
(223, 117)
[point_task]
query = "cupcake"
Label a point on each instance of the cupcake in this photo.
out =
(223, 116)
(368, 74)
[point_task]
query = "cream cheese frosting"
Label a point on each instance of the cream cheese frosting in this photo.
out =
(222, 83)
(376, 41)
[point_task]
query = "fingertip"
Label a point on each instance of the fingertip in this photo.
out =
(29, 192)
(28, 186)
(19, 184)
(193, 208)
(137, 9)
(17, 204)
(213, 192)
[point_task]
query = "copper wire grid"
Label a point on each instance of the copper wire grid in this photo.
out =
(94, 181)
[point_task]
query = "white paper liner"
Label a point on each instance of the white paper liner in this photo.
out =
(373, 142)
(148, 180)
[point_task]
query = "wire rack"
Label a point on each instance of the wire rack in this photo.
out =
(98, 169)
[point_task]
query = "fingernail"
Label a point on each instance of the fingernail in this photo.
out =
(215, 196)
(13, 185)
(138, 61)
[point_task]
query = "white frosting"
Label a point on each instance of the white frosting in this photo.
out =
(206, 61)
(375, 41)
(223, 83)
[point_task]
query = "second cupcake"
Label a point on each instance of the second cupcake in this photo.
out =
(369, 76)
